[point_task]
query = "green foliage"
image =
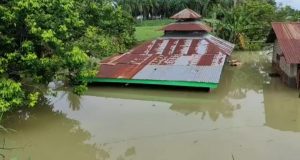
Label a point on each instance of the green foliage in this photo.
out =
(245, 24)
(163, 7)
(11, 94)
(167, 8)
(75, 59)
(287, 13)
(79, 90)
(256, 17)
(55, 40)
(112, 20)
(33, 99)
(97, 44)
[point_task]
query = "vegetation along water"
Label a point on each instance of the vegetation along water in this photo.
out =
(252, 116)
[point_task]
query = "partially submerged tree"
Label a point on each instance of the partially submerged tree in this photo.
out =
(55, 40)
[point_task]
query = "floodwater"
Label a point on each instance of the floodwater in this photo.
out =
(250, 117)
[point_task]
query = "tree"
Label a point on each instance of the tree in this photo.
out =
(287, 13)
(46, 40)
(244, 22)
(248, 22)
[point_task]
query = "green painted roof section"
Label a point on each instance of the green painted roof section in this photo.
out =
(155, 82)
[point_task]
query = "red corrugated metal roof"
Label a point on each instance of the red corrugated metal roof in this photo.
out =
(181, 53)
(288, 35)
(185, 45)
(188, 26)
(186, 14)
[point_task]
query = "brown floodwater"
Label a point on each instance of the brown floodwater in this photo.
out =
(249, 117)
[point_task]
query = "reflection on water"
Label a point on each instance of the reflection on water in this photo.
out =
(284, 113)
(250, 116)
(74, 101)
(44, 133)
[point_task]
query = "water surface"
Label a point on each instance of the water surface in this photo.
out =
(250, 117)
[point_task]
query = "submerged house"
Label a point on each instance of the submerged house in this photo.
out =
(286, 51)
(187, 55)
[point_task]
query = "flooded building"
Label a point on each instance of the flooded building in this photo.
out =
(286, 51)
(187, 55)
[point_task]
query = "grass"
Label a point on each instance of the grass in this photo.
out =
(145, 33)
(150, 29)
(158, 22)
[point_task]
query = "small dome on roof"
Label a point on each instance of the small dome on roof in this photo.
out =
(186, 14)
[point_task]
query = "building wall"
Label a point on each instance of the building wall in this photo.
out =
(276, 51)
(287, 71)
(294, 70)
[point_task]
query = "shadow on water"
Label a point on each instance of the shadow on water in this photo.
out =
(152, 87)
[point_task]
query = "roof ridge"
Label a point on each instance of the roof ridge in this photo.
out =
(186, 14)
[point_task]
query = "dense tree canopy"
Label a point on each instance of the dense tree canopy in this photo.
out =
(286, 13)
(55, 40)
(243, 22)
(166, 8)
(246, 24)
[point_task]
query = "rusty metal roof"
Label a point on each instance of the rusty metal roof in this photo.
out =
(186, 14)
(171, 59)
(207, 44)
(288, 35)
(188, 26)
(179, 58)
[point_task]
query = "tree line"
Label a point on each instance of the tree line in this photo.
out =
(167, 8)
(243, 22)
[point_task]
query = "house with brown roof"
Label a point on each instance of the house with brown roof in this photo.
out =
(286, 51)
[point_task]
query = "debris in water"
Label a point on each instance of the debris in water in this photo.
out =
(235, 63)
